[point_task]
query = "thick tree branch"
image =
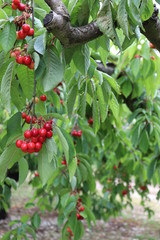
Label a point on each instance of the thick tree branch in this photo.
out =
(58, 22)
(152, 29)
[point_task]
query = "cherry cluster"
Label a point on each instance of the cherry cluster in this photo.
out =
(80, 208)
(35, 138)
(64, 162)
(24, 32)
(17, 5)
(76, 133)
(28, 118)
(25, 60)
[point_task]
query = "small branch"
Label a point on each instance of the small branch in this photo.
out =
(109, 69)
(58, 22)
(34, 90)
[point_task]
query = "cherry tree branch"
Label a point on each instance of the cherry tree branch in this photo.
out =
(58, 22)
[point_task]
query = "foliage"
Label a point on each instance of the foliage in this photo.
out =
(115, 119)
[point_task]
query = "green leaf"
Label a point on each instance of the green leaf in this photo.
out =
(8, 36)
(112, 82)
(23, 170)
(72, 168)
(36, 220)
(45, 163)
(102, 103)
(40, 44)
(105, 22)
(26, 79)
(81, 59)
(122, 17)
(127, 88)
(114, 105)
(14, 123)
(10, 155)
(146, 9)
(151, 168)
(67, 144)
(144, 141)
(82, 101)
(54, 70)
(96, 120)
(6, 87)
(71, 99)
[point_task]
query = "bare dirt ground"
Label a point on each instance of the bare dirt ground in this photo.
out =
(131, 225)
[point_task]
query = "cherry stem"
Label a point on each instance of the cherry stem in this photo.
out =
(34, 91)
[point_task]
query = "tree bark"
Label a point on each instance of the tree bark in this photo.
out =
(58, 22)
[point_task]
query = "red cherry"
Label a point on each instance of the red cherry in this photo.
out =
(115, 167)
(34, 139)
(26, 28)
(61, 101)
(41, 139)
(34, 120)
(143, 188)
(74, 133)
(24, 115)
(27, 60)
(24, 147)
(21, 35)
(28, 119)
(151, 45)
(42, 132)
(17, 52)
(19, 59)
(35, 132)
(16, 2)
(77, 162)
(81, 209)
(64, 162)
(31, 66)
(27, 134)
(79, 217)
(19, 143)
(36, 174)
(69, 231)
(137, 56)
(38, 146)
(31, 32)
(124, 192)
(90, 121)
(43, 98)
(14, 6)
(49, 134)
(47, 126)
(79, 133)
(31, 146)
(22, 7)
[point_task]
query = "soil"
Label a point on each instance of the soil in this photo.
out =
(131, 225)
